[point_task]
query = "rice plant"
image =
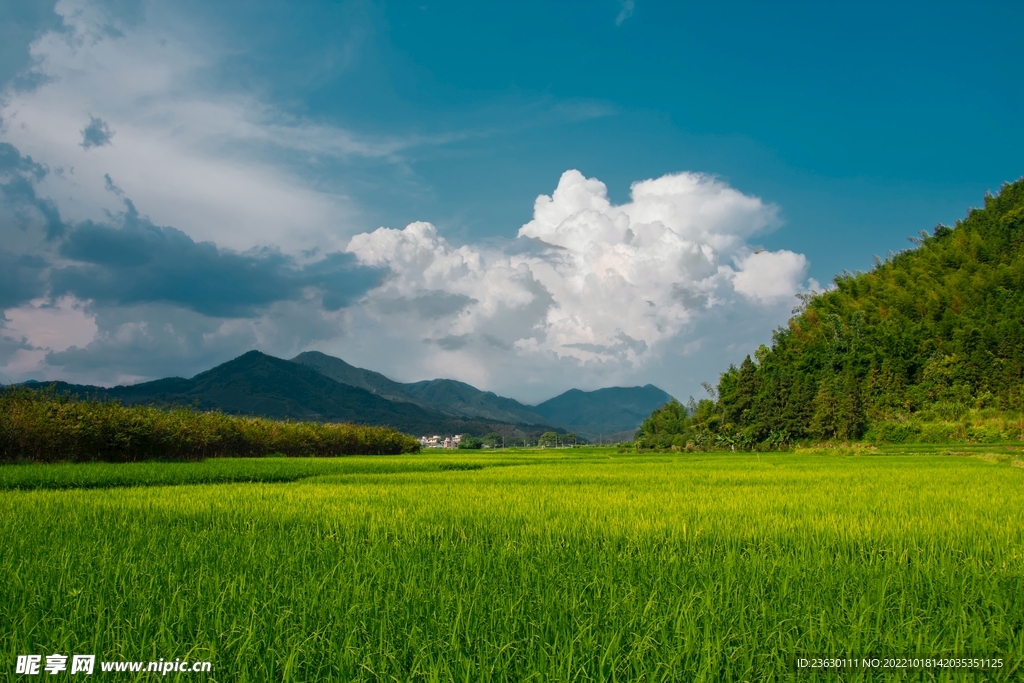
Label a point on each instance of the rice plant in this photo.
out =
(584, 565)
(41, 426)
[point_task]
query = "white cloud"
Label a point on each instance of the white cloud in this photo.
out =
(625, 13)
(191, 154)
(770, 276)
(586, 283)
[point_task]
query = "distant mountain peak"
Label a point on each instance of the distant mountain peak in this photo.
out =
(611, 410)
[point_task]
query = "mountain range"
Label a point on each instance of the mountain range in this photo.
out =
(613, 413)
(315, 386)
(445, 395)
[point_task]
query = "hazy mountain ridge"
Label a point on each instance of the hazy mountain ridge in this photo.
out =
(612, 411)
(445, 395)
(317, 387)
(261, 385)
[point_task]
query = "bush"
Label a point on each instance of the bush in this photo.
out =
(892, 432)
(40, 425)
(940, 432)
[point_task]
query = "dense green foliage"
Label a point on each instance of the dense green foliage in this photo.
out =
(45, 427)
(563, 565)
(928, 345)
(468, 442)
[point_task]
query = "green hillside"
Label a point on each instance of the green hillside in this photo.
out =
(926, 346)
(340, 371)
(260, 385)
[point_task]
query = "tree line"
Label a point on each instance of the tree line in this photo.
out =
(43, 426)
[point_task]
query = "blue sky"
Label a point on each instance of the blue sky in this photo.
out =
(186, 181)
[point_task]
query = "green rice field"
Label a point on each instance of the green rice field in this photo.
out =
(556, 565)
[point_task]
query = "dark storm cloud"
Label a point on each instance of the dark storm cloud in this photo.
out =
(340, 278)
(129, 260)
(452, 342)
(431, 305)
(11, 161)
(8, 347)
(139, 262)
(96, 134)
(21, 22)
(20, 207)
(21, 278)
(163, 340)
(160, 300)
(625, 343)
(25, 222)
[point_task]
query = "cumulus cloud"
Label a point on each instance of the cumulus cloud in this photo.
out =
(586, 282)
(770, 276)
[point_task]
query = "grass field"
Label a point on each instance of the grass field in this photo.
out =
(576, 565)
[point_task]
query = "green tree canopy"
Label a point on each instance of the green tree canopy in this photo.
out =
(548, 439)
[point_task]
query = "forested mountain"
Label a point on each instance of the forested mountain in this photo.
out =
(933, 334)
(261, 385)
(459, 398)
(611, 412)
(340, 371)
(445, 395)
(605, 412)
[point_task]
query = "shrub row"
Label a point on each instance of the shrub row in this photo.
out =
(913, 431)
(41, 426)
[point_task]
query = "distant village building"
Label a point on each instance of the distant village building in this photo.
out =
(439, 442)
